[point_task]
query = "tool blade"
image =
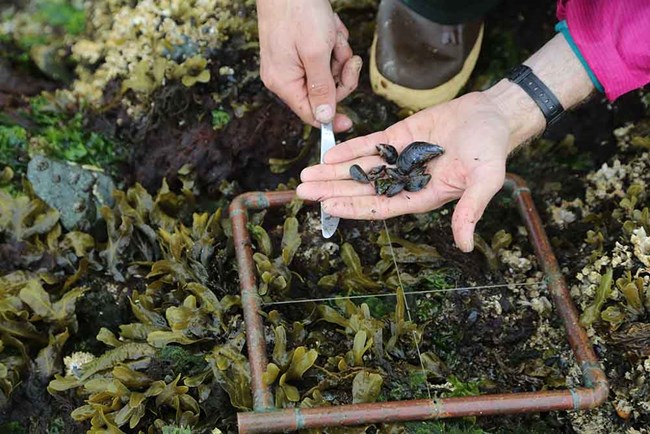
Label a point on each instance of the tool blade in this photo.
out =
(329, 223)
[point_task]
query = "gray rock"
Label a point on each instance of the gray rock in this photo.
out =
(75, 192)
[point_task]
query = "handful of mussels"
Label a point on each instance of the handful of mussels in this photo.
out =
(408, 173)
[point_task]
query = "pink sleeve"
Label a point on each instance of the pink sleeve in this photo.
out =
(613, 36)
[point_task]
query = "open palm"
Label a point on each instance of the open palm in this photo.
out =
(475, 136)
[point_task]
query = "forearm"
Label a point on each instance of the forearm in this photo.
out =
(557, 66)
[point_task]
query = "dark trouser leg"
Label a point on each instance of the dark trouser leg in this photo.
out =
(451, 11)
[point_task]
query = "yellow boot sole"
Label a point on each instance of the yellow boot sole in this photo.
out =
(418, 99)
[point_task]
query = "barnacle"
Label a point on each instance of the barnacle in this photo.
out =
(144, 44)
(641, 243)
(74, 362)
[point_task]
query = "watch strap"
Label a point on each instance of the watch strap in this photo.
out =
(538, 91)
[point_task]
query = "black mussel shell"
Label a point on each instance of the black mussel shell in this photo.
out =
(395, 188)
(387, 152)
(357, 173)
(418, 170)
(395, 174)
(417, 182)
(417, 154)
(376, 172)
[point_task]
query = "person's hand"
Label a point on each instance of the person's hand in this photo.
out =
(306, 60)
(476, 137)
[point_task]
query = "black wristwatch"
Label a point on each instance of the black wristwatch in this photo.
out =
(542, 95)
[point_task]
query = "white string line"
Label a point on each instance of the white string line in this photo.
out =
(394, 294)
(408, 311)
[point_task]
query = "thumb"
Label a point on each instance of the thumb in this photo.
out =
(321, 90)
(471, 206)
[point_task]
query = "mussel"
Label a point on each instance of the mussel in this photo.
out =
(376, 172)
(358, 174)
(387, 152)
(417, 154)
(417, 182)
(408, 174)
(394, 188)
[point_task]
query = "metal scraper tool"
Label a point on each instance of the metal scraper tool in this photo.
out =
(329, 223)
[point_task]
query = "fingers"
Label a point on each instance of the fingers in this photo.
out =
(341, 123)
(318, 191)
(397, 135)
(302, 108)
(356, 148)
(321, 90)
(471, 206)
(340, 55)
(373, 207)
(340, 27)
(349, 78)
(326, 172)
(293, 94)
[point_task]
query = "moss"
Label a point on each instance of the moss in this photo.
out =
(11, 137)
(427, 308)
(13, 427)
(414, 386)
(220, 119)
(417, 379)
(44, 22)
(13, 143)
(462, 388)
(182, 360)
(71, 142)
(441, 278)
(380, 306)
(57, 426)
(398, 392)
(58, 134)
(61, 13)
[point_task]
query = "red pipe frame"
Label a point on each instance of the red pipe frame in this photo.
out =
(266, 418)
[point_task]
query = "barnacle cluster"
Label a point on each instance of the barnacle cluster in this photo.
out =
(612, 284)
(142, 45)
(154, 41)
(623, 186)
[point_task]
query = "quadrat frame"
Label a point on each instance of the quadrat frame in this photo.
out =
(265, 418)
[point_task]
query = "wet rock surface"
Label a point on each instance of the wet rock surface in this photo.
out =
(76, 192)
